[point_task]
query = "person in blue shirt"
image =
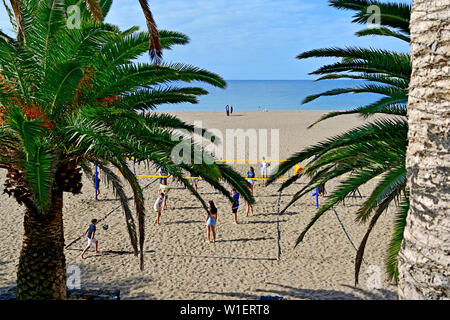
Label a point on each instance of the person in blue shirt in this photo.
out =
(251, 174)
(90, 232)
(235, 205)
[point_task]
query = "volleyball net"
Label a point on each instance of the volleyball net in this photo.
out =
(242, 162)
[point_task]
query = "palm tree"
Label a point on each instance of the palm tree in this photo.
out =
(375, 149)
(424, 263)
(72, 98)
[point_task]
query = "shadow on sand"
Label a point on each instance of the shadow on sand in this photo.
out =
(91, 253)
(221, 257)
(264, 222)
(183, 222)
(310, 294)
(246, 239)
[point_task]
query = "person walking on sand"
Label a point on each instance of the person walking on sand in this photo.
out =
(321, 190)
(235, 205)
(227, 110)
(251, 182)
(164, 188)
(249, 205)
(231, 110)
(90, 232)
(211, 220)
(97, 184)
(194, 183)
(158, 207)
(265, 167)
(250, 185)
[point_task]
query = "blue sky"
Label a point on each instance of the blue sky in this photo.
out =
(249, 39)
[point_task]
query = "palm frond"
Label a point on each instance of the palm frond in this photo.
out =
(67, 76)
(9, 146)
(149, 99)
(394, 179)
(382, 207)
(47, 20)
(155, 48)
(378, 130)
(13, 67)
(129, 78)
(106, 6)
(37, 157)
(39, 173)
(342, 191)
(17, 24)
(383, 32)
(362, 60)
(389, 91)
(94, 9)
(6, 37)
(397, 237)
(72, 95)
(399, 83)
(392, 14)
(28, 131)
(170, 38)
(373, 150)
(114, 181)
(388, 105)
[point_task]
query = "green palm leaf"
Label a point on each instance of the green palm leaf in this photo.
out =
(394, 15)
(114, 181)
(395, 179)
(383, 32)
(397, 237)
(39, 174)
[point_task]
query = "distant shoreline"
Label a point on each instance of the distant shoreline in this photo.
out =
(253, 95)
(244, 110)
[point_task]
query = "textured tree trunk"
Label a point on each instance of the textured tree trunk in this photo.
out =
(424, 261)
(42, 268)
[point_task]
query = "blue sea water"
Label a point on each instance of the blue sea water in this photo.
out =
(275, 95)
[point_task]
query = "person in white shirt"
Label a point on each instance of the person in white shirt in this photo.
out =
(265, 168)
(158, 207)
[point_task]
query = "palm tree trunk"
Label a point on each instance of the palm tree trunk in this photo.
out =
(424, 261)
(42, 267)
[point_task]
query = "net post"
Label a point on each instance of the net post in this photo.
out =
(96, 182)
(317, 189)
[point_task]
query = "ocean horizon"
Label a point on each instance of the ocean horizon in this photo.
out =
(250, 95)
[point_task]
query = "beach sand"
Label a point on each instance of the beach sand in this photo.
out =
(242, 264)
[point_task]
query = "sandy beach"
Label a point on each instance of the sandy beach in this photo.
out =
(242, 264)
